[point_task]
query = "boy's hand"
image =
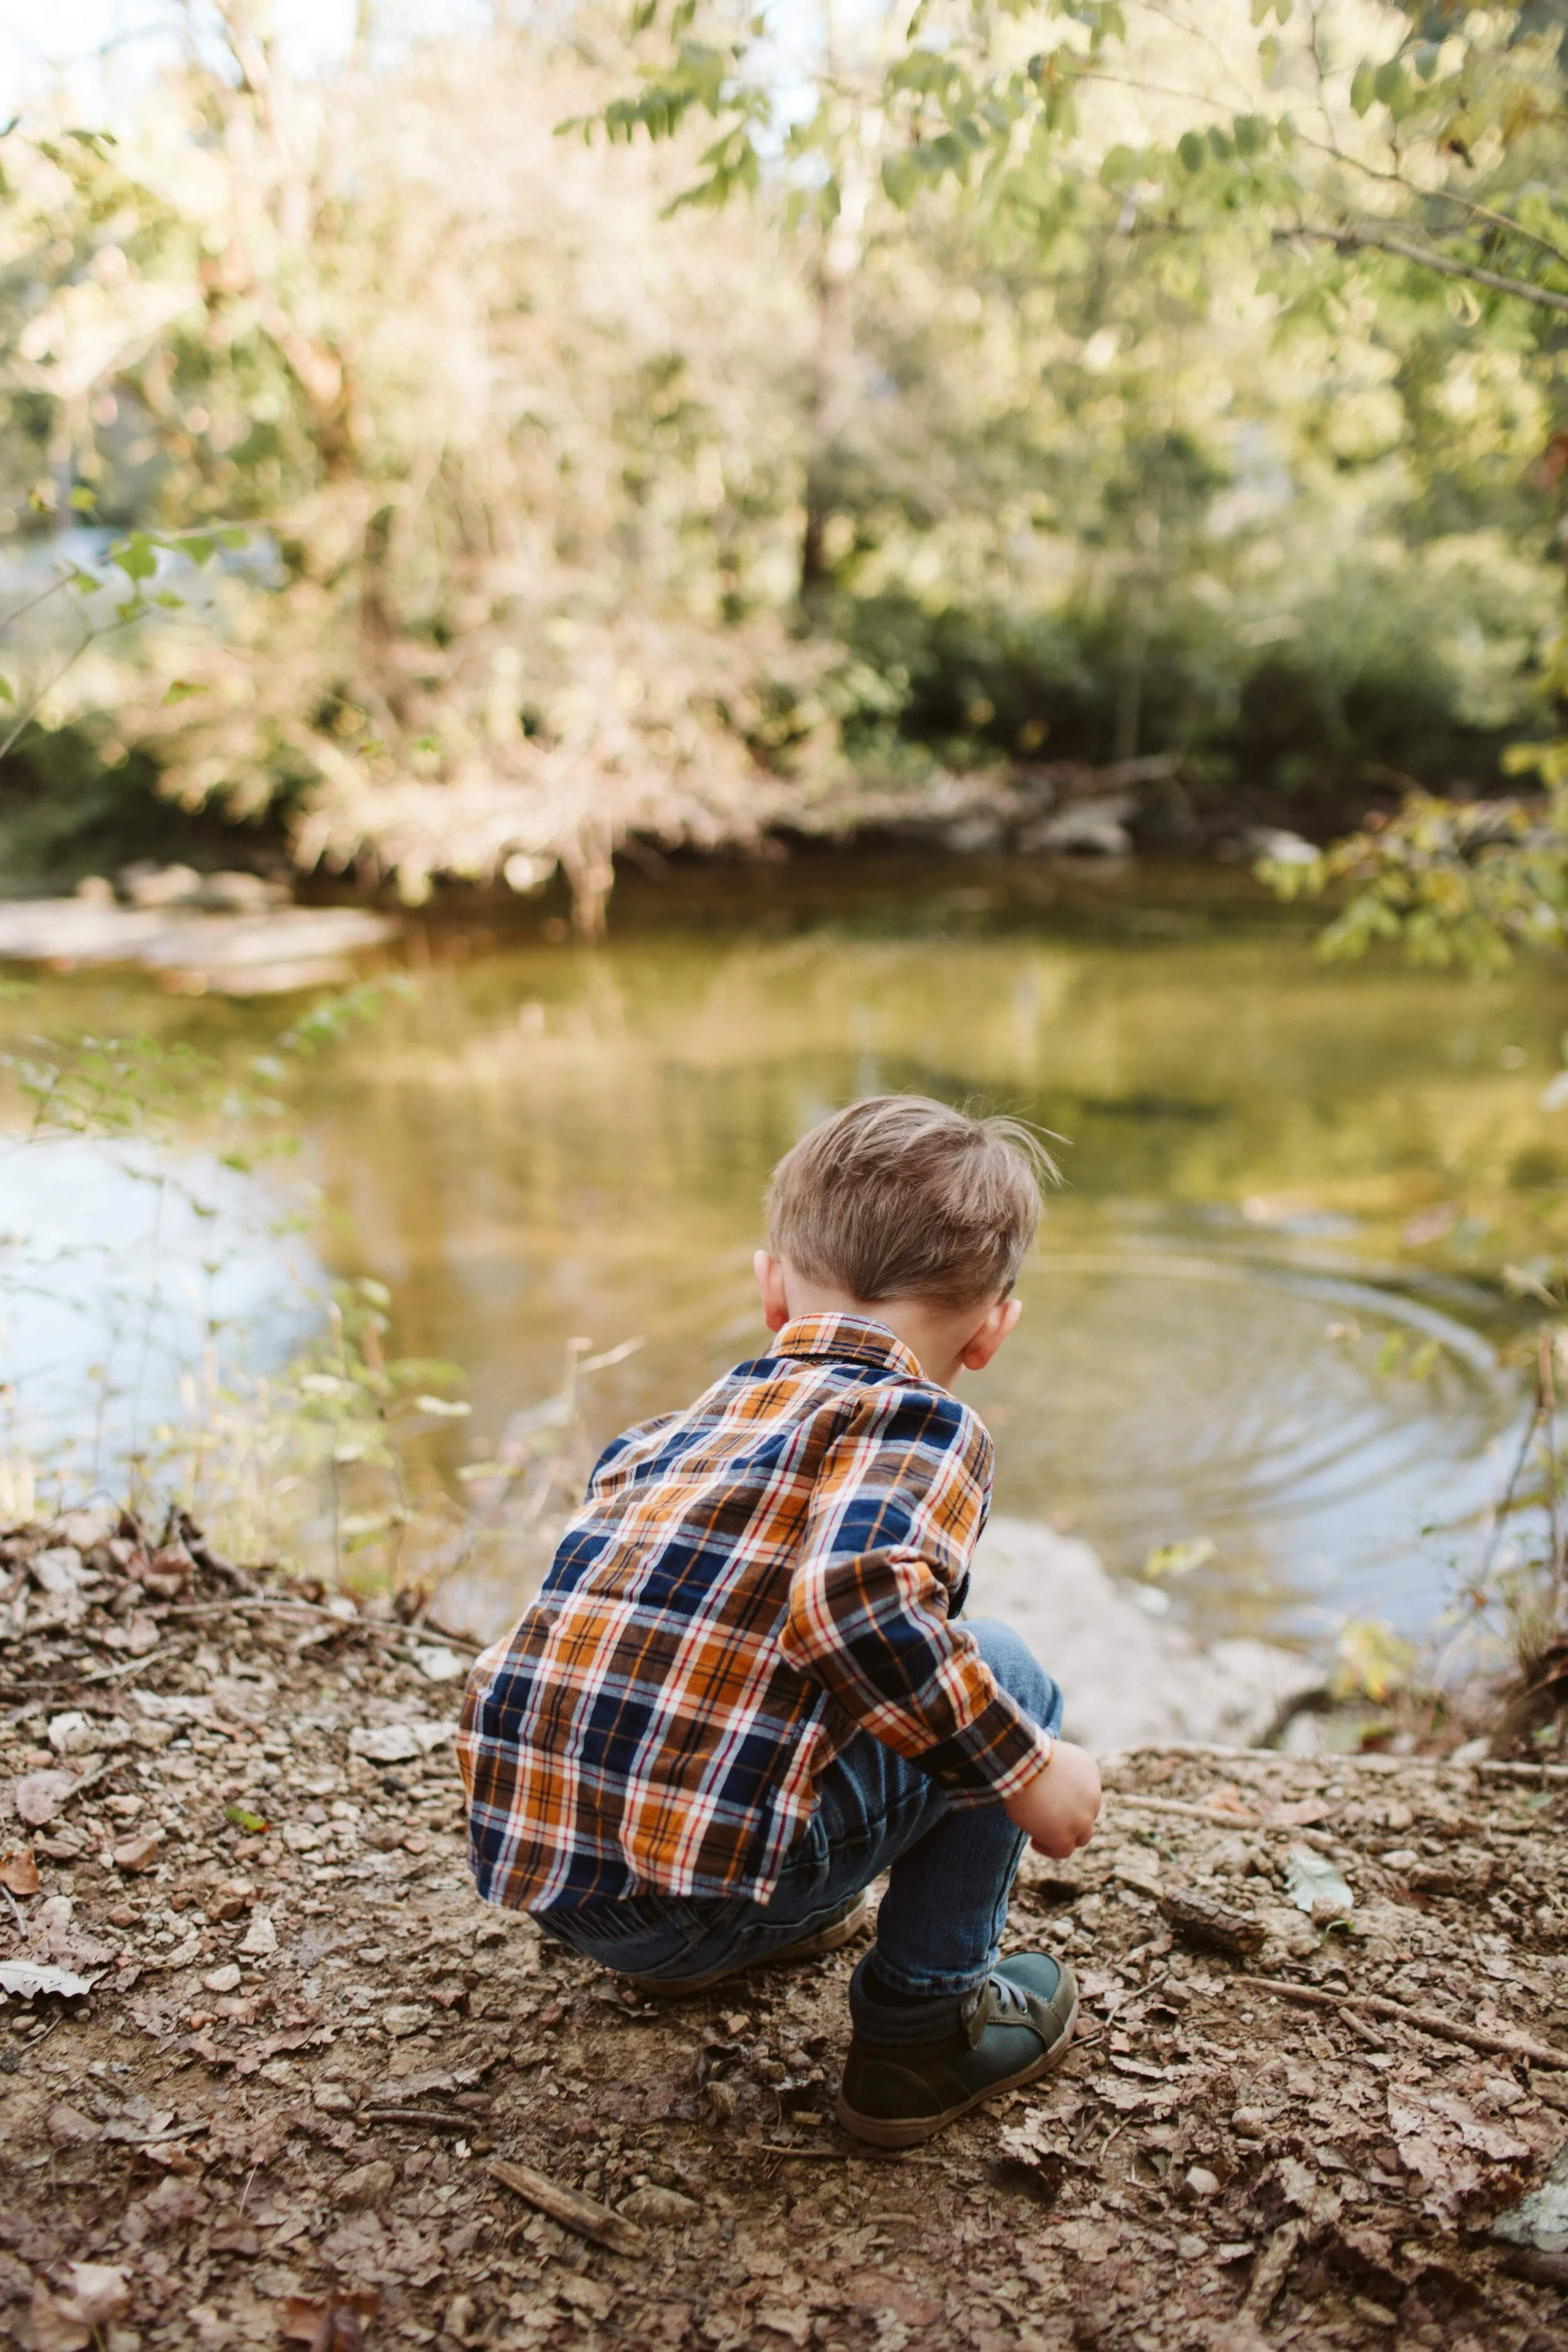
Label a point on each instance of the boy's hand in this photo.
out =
(1059, 1807)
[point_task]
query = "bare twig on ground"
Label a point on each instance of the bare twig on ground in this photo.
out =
(575, 2212)
(1429, 2021)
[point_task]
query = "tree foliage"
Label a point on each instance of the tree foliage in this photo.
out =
(1071, 384)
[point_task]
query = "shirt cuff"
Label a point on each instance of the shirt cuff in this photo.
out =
(992, 1759)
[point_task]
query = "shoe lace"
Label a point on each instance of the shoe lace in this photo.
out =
(1007, 2001)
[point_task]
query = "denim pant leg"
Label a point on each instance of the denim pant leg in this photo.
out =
(940, 1928)
(951, 1870)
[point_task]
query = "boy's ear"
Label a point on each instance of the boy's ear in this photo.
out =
(768, 1271)
(989, 1336)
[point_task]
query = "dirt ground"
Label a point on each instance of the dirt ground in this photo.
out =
(286, 2046)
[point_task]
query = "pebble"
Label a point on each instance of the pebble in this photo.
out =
(224, 1980)
(260, 1938)
(366, 2186)
(137, 1854)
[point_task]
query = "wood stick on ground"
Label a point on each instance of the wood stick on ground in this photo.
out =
(847, 2155)
(384, 1629)
(1490, 1768)
(1430, 2021)
(575, 2212)
(1181, 1811)
(1378, 2042)
(431, 2118)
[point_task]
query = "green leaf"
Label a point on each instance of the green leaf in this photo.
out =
(199, 547)
(136, 556)
(1363, 87)
(1190, 148)
(1120, 165)
(1251, 133)
(1389, 83)
(180, 689)
(6, 692)
(1180, 1559)
(1219, 145)
(234, 537)
(83, 499)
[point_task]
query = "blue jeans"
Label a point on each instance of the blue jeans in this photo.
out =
(951, 1870)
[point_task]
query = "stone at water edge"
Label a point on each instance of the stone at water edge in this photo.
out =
(1540, 2218)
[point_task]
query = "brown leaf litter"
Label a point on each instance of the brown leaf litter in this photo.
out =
(270, 2074)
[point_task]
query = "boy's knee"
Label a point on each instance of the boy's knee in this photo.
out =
(1017, 1670)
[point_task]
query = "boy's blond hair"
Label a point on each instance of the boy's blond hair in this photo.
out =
(899, 1197)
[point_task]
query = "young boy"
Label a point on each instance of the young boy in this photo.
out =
(746, 1690)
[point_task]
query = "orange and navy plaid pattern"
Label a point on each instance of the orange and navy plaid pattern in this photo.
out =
(747, 1584)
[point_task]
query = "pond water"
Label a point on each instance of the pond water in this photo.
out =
(1232, 1330)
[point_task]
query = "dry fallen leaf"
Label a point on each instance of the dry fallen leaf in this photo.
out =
(332, 2323)
(25, 1980)
(65, 2319)
(19, 1871)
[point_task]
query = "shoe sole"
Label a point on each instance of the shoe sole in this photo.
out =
(827, 1939)
(879, 2133)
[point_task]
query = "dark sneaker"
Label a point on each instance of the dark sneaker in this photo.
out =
(1014, 2027)
(840, 1929)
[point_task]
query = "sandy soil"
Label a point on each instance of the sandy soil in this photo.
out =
(275, 2111)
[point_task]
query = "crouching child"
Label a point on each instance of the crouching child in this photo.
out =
(746, 1689)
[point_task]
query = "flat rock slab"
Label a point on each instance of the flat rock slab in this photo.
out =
(285, 947)
(1128, 1677)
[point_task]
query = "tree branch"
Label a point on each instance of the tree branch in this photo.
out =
(1355, 240)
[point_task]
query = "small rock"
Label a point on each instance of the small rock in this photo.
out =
(1201, 2183)
(224, 1980)
(405, 2017)
(366, 2186)
(331, 2099)
(1250, 2123)
(260, 1938)
(439, 1665)
(1192, 2249)
(653, 2204)
(38, 1796)
(232, 1899)
(137, 1854)
(71, 1734)
(385, 1743)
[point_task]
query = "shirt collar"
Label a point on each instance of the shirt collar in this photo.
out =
(855, 1338)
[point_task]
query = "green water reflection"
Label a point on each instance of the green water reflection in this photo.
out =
(553, 1142)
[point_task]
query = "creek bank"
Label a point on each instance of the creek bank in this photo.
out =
(306, 2059)
(1128, 1676)
(262, 951)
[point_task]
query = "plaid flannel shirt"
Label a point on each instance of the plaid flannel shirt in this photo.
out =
(746, 1585)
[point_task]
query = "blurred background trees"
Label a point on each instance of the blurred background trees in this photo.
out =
(1066, 387)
